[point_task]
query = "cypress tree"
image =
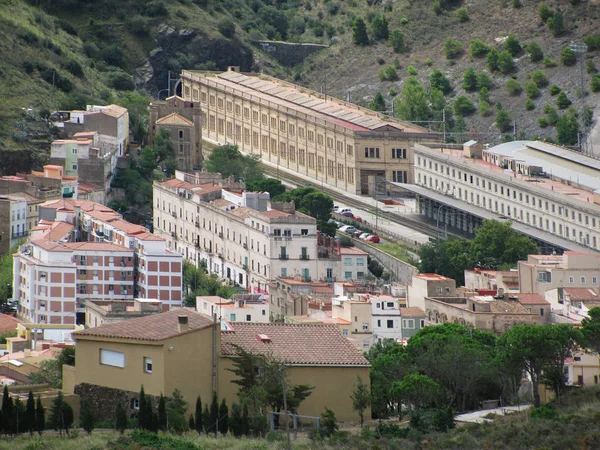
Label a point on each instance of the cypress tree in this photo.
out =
(6, 411)
(19, 417)
(67, 416)
(214, 413)
(30, 414)
(40, 417)
(142, 414)
(151, 416)
(87, 417)
(162, 413)
(121, 419)
(235, 421)
(199, 424)
(56, 413)
(206, 419)
(191, 422)
(223, 418)
(245, 420)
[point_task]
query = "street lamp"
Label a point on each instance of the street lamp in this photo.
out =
(377, 202)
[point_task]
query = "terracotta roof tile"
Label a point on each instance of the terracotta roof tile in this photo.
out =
(531, 299)
(581, 293)
(293, 343)
(8, 323)
(413, 311)
(156, 327)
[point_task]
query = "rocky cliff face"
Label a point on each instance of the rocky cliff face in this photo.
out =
(188, 49)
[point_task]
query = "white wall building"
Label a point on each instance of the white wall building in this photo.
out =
(550, 193)
(240, 308)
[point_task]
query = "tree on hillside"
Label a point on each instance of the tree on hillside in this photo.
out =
(361, 398)
(567, 129)
(438, 81)
(229, 161)
(416, 390)
(446, 257)
(378, 103)
(165, 152)
(413, 103)
(591, 330)
(503, 120)
(379, 25)
(396, 40)
(359, 32)
(50, 371)
(223, 417)
(535, 348)
(137, 107)
(212, 425)
(535, 52)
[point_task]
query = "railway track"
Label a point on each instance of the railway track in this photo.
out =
(404, 220)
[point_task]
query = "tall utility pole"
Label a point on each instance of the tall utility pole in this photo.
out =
(579, 49)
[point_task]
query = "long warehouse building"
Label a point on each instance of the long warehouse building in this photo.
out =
(550, 193)
(299, 130)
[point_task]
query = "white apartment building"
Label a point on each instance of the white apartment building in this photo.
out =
(354, 265)
(386, 317)
(240, 235)
(303, 131)
(85, 251)
(241, 308)
(549, 193)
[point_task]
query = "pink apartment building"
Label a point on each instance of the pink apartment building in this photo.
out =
(82, 250)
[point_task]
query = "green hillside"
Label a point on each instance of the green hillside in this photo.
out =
(62, 54)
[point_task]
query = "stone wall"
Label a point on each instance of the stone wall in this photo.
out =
(287, 53)
(104, 400)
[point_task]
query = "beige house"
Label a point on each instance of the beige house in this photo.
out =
(182, 120)
(186, 350)
(331, 141)
(98, 312)
(429, 285)
(541, 273)
(480, 312)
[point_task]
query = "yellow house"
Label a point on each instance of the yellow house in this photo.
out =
(185, 350)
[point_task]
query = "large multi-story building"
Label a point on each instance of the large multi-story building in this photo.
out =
(549, 193)
(13, 226)
(244, 237)
(85, 251)
(182, 120)
(299, 130)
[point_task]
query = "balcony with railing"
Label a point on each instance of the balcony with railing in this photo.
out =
(304, 257)
(284, 256)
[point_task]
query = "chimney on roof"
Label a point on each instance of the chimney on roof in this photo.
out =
(182, 324)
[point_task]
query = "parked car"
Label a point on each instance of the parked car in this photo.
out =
(348, 229)
(363, 235)
(374, 239)
(336, 209)
(347, 214)
(357, 219)
(345, 210)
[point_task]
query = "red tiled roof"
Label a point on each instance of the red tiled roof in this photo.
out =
(156, 327)
(531, 299)
(293, 343)
(351, 251)
(8, 323)
(413, 311)
(581, 293)
(274, 214)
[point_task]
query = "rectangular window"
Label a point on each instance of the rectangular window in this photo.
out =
(112, 358)
(147, 364)
(390, 324)
(248, 318)
(232, 317)
(571, 280)
(347, 275)
(582, 280)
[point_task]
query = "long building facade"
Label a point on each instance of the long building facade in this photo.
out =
(242, 236)
(549, 193)
(299, 130)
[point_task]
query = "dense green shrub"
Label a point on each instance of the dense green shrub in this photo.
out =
(503, 120)
(532, 90)
(453, 48)
(396, 40)
(491, 60)
(595, 83)
(74, 67)
(379, 26)
(592, 41)
(546, 412)
(484, 81)
(590, 67)
(548, 62)
(478, 48)
(463, 106)
(545, 12)
(529, 105)
(539, 78)
(463, 14)
(359, 32)
(568, 57)
(138, 24)
(333, 8)
(155, 9)
(513, 87)
(67, 27)
(470, 80)
(121, 81)
(484, 108)
(113, 55)
(226, 28)
(439, 81)
(543, 122)
(506, 64)
(534, 50)
(512, 45)
(562, 101)
(556, 24)
(554, 90)
(411, 70)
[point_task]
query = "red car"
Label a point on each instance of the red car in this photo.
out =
(373, 239)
